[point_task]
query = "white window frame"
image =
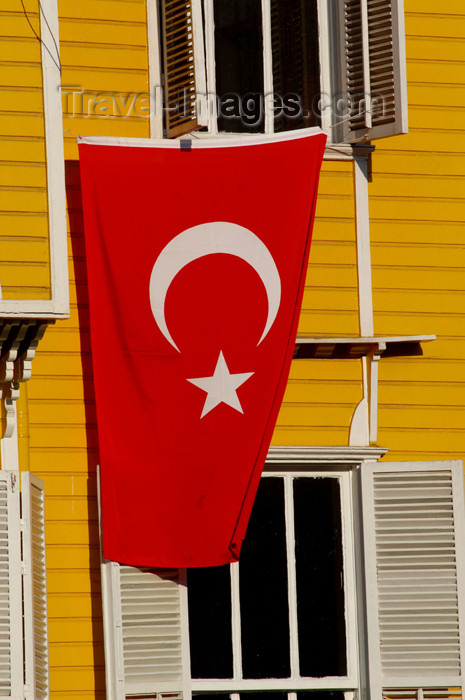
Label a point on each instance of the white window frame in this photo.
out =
(295, 682)
(332, 71)
(340, 462)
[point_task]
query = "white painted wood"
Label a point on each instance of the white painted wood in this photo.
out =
(11, 637)
(114, 678)
(371, 590)
(458, 486)
(9, 445)
(291, 575)
(37, 686)
(111, 608)
(42, 308)
(302, 455)
(358, 433)
(277, 684)
(362, 659)
(350, 590)
(400, 69)
(373, 368)
(151, 630)
(212, 106)
(365, 292)
(236, 621)
(326, 82)
(199, 63)
(362, 223)
(366, 340)
(155, 78)
(185, 642)
(413, 523)
(267, 66)
(55, 156)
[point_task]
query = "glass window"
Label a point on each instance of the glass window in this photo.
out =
(279, 51)
(280, 613)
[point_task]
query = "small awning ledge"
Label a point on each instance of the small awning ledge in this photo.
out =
(356, 347)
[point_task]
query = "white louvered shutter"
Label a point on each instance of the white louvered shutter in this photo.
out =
(146, 638)
(374, 70)
(414, 542)
(35, 587)
(11, 629)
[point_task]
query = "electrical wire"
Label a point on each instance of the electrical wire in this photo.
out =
(39, 38)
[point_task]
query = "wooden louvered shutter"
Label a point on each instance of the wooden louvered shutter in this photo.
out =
(146, 639)
(35, 587)
(374, 68)
(11, 630)
(184, 65)
(414, 531)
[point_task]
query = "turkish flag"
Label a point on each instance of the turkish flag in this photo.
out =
(197, 254)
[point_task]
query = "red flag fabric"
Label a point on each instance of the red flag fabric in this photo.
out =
(197, 254)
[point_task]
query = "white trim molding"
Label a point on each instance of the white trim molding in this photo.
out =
(315, 455)
(19, 339)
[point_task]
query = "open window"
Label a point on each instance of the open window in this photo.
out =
(251, 66)
(350, 580)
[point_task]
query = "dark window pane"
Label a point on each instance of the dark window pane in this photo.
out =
(209, 599)
(256, 695)
(296, 73)
(239, 65)
(263, 587)
(263, 696)
(320, 594)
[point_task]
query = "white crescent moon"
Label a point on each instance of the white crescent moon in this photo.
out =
(206, 239)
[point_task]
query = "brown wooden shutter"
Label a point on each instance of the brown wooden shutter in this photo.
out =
(181, 85)
(374, 66)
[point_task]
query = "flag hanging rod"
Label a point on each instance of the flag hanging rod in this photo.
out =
(356, 347)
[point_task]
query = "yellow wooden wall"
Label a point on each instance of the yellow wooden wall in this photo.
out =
(417, 207)
(103, 48)
(321, 395)
(24, 258)
(417, 210)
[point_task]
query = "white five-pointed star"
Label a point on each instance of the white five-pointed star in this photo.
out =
(221, 387)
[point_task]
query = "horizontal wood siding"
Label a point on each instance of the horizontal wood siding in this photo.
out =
(103, 48)
(417, 206)
(321, 395)
(417, 212)
(24, 234)
(105, 81)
